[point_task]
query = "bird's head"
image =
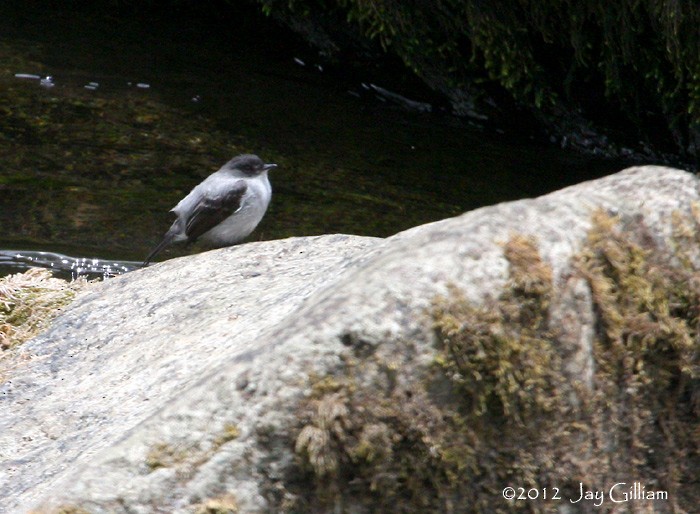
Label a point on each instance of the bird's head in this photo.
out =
(248, 165)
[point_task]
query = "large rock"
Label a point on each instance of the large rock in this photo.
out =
(423, 372)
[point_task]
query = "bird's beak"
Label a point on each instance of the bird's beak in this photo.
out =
(267, 167)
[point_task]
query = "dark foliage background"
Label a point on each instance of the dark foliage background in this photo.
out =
(582, 68)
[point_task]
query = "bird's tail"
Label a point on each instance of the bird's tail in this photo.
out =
(169, 236)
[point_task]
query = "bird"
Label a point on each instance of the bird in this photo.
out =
(224, 208)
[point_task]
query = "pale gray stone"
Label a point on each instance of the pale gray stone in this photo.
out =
(174, 354)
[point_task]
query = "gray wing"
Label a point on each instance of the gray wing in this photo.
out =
(212, 210)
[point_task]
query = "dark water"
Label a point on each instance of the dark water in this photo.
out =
(141, 106)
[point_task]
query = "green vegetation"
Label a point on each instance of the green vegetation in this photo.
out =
(638, 59)
(499, 406)
(501, 356)
(190, 455)
(226, 504)
(647, 355)
(164, 455)
(63, 509)
(229, 433)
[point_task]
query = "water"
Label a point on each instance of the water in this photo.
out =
(63, 266)
(103, 130)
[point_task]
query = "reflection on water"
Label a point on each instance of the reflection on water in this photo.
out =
(105, 129)
(63, 266)
(48, 82)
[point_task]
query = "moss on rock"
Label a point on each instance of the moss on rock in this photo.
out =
(647, 354)
(29, 301)
(225, 504)
(501, 355)
(62, 509)
(496, 407)
(164, 455)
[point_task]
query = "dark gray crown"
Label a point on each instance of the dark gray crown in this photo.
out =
(248, 164)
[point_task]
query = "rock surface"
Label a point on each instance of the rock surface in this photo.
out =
(129, 347)
(182, 384)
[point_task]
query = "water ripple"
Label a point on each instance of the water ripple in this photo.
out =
(63, 266)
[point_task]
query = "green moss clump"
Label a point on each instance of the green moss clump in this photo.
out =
(72, 510)
(225, 504)
(229, 433)
(503, 366)
(372, 448)
(501, 356)
(412, 447)
(497, 407)
(29, 301)
(62, 509)
(189, 456)
(163, 455)
(647, 350)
